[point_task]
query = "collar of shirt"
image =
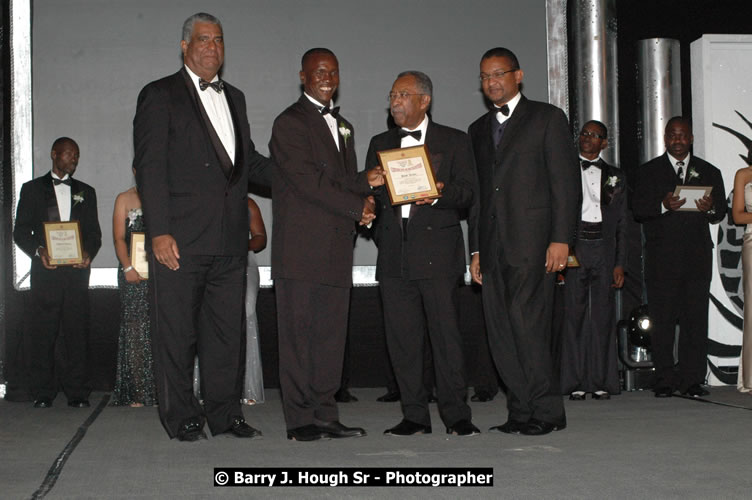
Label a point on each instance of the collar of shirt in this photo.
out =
(195, 78)
(512, 103)
(409, 140)
(328, 118)
(54, 176)
(674, 161)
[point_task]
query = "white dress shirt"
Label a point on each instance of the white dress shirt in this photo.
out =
(63, 195)
(408, 142)
(330, 120)
(591, 193)
(511, 104)
(215, 104)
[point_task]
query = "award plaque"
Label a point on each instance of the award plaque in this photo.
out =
(691, 194)
(138, 254)
(63, 243)
(409, 176)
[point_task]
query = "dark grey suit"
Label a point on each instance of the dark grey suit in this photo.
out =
(589, 348)
(678, 267)
(529, 196)
(191, 189)
(420, 272)
(59, 297)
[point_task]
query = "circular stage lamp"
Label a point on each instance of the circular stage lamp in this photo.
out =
(640, 327)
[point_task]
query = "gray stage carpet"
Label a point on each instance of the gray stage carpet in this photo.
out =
(633, 446)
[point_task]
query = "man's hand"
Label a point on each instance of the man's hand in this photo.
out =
(431, 201)
(45, 258)
(556, 257)
(705, 203)
(85, 263)
(618, 277)
(475, 269)
(165, 249)
(672, 202)
(376, 176)
(369, 211)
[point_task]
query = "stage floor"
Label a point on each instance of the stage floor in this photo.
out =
(633, 446)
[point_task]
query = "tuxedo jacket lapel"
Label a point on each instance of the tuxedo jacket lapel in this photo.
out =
(321, 128)
(53, 212)
(512, 127)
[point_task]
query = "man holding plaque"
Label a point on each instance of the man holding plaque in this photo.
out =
(59, 292)
(521, 226)
(193, 159)
(678, 256)
(421, 261)
(318, 197)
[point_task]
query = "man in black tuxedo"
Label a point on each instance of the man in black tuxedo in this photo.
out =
(193, 155)
(588, 359)
(678, 257)
(59, 294)
(521, 226)
(318, 197)
(421, 262)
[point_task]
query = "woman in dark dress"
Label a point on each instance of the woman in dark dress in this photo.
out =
(134, 382)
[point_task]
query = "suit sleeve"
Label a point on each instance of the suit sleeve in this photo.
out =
(564, 179)
(460, 186)
(621, 227)
(720, 207)
(291, 151)
(92, 237)
(150, 143)
(24, 230)
(474, 212)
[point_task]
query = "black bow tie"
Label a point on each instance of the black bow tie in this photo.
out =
(67, 181)
(218, 86)
(587, 164)
(326, 110)
(504, 110)
(416, 134)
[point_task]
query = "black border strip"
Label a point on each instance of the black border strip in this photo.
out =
(703, 400)
(57, 465)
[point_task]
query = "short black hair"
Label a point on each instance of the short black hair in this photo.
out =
(502, 52)
(313, 51)
(598, 124)
(63, 140)
(680, 119)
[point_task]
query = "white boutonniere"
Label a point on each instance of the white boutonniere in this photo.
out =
(612, 181)
(345, 132)
(78, 198)
(693, 174)
(133, 214)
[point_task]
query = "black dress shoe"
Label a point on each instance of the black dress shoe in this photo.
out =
(344, 396)
(481, 397)
(463, 428)
(42, 403)
(389, 397)
(577, 396)
(408, 428)
(79, 403)
(337, 430)
(241, 429)
(601, 396)
(306, 433)
(696, 391)
(191, 431)
(535, 427)
(663, 392)
(509, 427)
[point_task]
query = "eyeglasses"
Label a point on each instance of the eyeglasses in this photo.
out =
(590, 134)
(393, 96)
(498, 75)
